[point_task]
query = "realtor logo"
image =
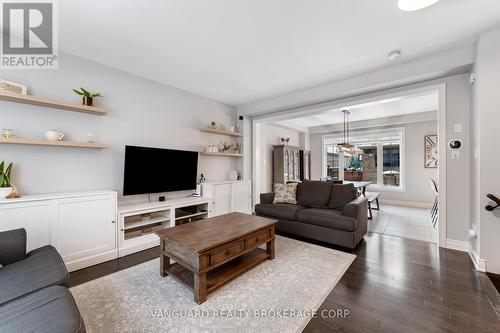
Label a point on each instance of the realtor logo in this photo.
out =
(29, 35)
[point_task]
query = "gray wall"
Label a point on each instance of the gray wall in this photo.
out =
(417, 188)
(485, 168)
(141, 112)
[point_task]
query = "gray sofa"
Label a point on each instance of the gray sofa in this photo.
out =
(327, 212)
(34, 295)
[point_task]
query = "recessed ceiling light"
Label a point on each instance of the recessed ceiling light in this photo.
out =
(394, 55)
(411, 5)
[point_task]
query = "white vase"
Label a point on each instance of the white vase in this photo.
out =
(5, 191)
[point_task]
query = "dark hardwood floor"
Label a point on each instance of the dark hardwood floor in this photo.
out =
(403, 285)
(394, 285)
(112, 266)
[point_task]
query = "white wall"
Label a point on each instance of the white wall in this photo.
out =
(141, 112)
(271, 135)
(417, 188)
(486, 137)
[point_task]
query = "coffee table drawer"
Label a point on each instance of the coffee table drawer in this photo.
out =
(257, 238)
(226, 252)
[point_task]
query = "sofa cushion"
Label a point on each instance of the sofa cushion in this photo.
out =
(51, 309)
(314, 194)
(42, 268)
(280, 211)
(341, 195)
(285, 193)
(13, 246)
(327, 218)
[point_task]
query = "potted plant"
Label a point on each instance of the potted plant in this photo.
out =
(225, 147)
(87, 96)
(5, 184)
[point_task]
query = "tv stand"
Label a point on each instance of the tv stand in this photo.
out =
(138, 222)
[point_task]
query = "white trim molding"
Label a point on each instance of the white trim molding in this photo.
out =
(479, 263)
(457, 245)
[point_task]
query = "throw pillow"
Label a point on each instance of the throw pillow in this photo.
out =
(285, 193)
(342, 195)
(314, 194)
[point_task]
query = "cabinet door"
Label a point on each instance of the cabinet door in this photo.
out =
(35, 217)
(285, 166)
(221, 199)
(87, 230)
(241, 197)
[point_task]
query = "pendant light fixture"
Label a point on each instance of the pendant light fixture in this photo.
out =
(344, 146)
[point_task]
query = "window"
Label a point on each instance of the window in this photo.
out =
(377, 157)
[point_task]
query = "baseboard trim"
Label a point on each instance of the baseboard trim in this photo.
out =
(453, 244)
(77, 264)
(479, 263)
(413, 204)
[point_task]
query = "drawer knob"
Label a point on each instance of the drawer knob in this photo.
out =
(227, 252)
(257, 239)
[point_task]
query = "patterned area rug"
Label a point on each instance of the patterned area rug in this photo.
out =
(278, 295)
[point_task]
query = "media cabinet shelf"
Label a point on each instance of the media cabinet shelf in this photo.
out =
(27, 99)
(190, 215)
(142, 223)
(36, 142)
(221, 154)
(221, 132)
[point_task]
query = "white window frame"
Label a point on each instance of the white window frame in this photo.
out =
(380, 166)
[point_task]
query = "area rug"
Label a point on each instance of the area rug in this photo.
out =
(279, 295)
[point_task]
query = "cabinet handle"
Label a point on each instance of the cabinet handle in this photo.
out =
(113, 221)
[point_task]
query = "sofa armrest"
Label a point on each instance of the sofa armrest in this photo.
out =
(357, 208)
(12, 246)
(266, 198)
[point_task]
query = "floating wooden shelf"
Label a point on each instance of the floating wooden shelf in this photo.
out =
(27, 99)
(52, 143)
(221, 154)
(222, 132)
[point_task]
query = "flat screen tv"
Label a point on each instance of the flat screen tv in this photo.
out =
(154, 170)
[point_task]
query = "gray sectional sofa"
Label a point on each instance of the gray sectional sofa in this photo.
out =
(34, 295)
(327, 212)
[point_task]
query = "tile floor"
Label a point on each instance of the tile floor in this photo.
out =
(401, 221)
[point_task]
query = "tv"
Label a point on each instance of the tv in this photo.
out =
(154, 170)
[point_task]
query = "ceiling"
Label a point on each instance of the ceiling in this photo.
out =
(242, 51)
(398, 106)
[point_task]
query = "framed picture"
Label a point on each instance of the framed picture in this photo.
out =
(431, 151)
(12, 87)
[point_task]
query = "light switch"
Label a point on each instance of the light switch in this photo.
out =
(455, 155)
(458, 128)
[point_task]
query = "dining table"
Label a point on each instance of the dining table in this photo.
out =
(360, 185)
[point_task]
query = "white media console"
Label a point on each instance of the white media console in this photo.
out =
(138, 222)
(88, 228)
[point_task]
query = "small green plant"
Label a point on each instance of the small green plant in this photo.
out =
(86, 93)
(5, 175)
(226, 146)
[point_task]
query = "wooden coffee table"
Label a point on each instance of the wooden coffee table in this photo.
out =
(210, 252)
